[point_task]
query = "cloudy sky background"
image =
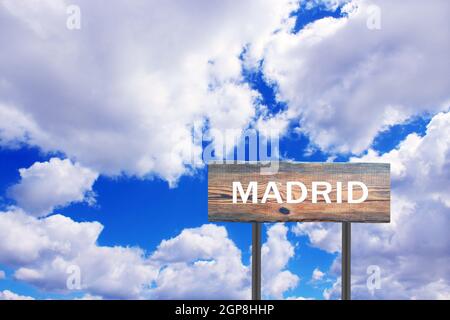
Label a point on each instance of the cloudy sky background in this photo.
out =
(96, 143)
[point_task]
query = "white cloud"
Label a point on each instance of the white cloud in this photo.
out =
(323, 235)
(345, 83)
(204, 263)
(317, 275)
(439, 289)
(90, 297)
(299, 298)
(412, 251)
(9, 295)
(277, 251)
(334, 291)
(49, 185)
(420, 166)
(42, 250)
(121, 95)
(2, 275)
(199, 263)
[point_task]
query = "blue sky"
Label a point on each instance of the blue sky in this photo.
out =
(144, 194)
(138, 212)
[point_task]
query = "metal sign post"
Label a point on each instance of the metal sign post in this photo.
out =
(346, 261)
(256, 261)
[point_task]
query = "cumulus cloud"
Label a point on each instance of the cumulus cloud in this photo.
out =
(43, 251)
(420, 165)
(317, 275)
(278, 250)
(299, 298)
(89, 297)
(344, 82)
(122, 95)
(9, 295)
(412, 252)
(204, 263)
(49, 251)
(199, 263)
(48, 185)
(324, 235)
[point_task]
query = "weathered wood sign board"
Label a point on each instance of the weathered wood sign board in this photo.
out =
(336, 192)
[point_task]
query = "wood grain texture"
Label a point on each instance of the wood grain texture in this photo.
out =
(376, 176)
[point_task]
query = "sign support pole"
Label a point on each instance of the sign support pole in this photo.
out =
(256, 261)
(346, 261)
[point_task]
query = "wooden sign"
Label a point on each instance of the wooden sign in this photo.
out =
(338, 192)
